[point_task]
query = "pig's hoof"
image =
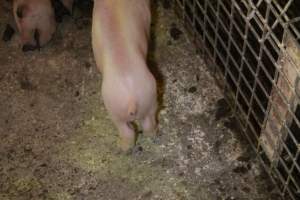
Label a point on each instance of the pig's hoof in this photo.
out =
(151, 133)
(137, 150)
(134, 151)
(128, 152)
(127, 144)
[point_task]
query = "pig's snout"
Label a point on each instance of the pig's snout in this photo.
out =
(29, 47)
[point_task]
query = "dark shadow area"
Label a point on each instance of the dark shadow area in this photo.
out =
(152, 63)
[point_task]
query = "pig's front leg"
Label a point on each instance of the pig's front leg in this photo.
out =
(127, 135)
(149, 124)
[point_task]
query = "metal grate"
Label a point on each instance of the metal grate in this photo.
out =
(254, 48)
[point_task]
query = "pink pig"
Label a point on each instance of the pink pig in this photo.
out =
(120, 43)
(35, 20)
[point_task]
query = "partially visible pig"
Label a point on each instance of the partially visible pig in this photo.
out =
(35, 20)
(120, 35)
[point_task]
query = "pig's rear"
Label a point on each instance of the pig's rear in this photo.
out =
(129, 96)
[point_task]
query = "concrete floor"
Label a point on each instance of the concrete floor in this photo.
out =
(57, 142)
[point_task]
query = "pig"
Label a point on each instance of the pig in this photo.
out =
(35, 21)
(120, 32)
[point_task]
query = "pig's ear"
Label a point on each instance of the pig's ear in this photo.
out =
(21, 11)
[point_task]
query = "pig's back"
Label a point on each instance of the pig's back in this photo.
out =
(120, 41)
(120, 29)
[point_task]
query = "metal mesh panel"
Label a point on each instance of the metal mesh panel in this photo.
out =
(253, 46)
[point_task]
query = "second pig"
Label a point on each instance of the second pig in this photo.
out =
(120, 35)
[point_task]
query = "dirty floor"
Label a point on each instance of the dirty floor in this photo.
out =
(57, 142)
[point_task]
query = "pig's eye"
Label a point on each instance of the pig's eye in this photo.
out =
(20, 12)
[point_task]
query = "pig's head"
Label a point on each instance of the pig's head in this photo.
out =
(35, 21)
